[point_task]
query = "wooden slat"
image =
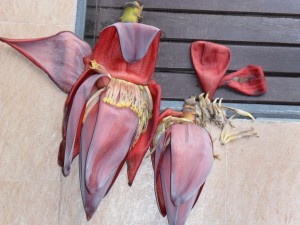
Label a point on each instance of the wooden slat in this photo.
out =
(90, 20)
(176, 86)
(210, 27)
(272, 42)
(91, 41)
(273, 59)
(254, 6)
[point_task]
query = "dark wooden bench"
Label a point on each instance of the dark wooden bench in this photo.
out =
(260, 32)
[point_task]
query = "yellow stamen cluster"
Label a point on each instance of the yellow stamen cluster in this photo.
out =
(99, 68)
(95, 65)
(123, 94)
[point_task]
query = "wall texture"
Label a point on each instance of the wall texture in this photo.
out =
(31, 110)
(257, 180)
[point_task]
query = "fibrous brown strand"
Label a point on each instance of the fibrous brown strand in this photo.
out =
(206, 112)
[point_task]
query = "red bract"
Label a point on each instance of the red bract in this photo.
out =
(182, 161)
(60, 56)
(128, 51)
(211, 61)
(137, 153)
(249, 80)
(112, 109)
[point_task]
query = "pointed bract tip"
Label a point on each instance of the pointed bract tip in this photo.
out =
(88, 217)
(66, 171)
(130, 183)
(89, 213)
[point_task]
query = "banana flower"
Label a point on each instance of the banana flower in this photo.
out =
(112, 108)
(182, 153)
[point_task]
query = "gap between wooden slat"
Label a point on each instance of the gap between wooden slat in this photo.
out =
(87, 37)
(192, 71)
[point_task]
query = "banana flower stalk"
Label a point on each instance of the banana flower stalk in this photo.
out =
(112, 108)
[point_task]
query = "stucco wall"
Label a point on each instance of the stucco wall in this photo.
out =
(257, 180)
